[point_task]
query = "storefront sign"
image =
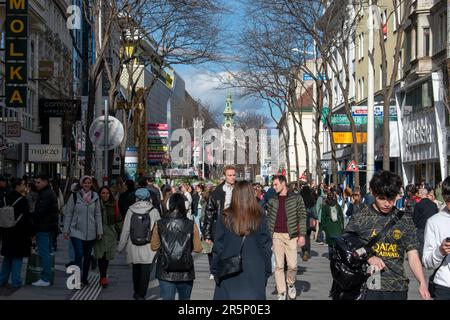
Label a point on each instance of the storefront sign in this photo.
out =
(346, 137)
(16, 72)
(44, 153)
(51, 108)
(419, 137)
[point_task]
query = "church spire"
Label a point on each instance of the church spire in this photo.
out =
(228, 113)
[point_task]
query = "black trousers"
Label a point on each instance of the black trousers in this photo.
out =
(386, 295)
(103, 266)
(441, 292)
(141, 278)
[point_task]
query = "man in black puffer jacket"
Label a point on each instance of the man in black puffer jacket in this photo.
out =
(45, 223)
(219, 200)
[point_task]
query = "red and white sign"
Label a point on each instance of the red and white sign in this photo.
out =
(157, 134)
(303, 176)
(353, 167)
(13, 129)
(359, 111)
(158, 126)
(156, 155)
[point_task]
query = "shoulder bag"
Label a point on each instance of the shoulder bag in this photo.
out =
(431, 284)
(231, 266)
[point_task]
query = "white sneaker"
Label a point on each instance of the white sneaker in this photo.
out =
(211, 277)
(282, 296)
(292, 293)
(41, 283)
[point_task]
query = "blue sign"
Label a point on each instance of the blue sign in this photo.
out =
(308, 77)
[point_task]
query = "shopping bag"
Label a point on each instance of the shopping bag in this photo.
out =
(34, 268)
(207, 247)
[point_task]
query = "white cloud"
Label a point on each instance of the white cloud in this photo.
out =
(207, 86)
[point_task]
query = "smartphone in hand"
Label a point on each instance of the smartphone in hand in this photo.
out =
(447, 239)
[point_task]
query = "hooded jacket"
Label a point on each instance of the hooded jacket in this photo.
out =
(138, 254)
(83, 220)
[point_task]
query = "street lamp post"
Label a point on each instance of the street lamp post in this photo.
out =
(370, 153)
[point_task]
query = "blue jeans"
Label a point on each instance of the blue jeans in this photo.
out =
(44, 251)
(169, 288)
(83, 251)
(197, 221)
(71, 251)
(13, 266)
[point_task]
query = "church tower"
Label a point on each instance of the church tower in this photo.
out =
(228, 113)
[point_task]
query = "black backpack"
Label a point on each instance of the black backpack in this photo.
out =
(349, 255)
(140, 229)
(176, 248)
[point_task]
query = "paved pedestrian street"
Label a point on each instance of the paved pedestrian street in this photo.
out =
(313, 281)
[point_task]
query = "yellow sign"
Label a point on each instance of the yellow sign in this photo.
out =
(346, 137)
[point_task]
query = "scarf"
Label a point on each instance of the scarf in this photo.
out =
(228, 192)
(87, 196)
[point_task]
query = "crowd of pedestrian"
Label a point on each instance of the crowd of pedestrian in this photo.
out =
(249, 231)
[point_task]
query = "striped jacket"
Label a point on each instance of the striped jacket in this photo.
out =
(295, 213)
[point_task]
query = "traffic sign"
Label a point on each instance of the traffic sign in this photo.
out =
(353, 167)
(115, 132)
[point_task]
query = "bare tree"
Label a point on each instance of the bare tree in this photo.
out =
(175, 33)
(388, 87)
(331, 25)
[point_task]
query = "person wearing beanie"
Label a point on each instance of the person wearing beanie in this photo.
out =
(139, 254)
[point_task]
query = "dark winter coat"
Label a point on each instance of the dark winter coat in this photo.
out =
(194, 205)
(46, 211)
(214, 209)
(16, 241)
(422, 211)
(256, 263)
(126, 199)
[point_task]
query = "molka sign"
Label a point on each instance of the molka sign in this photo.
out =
(16, 37)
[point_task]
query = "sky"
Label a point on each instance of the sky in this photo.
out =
(203, 81)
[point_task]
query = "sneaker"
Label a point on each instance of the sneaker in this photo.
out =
(137, 297)
(104, 282)
(211, 277)
(292, 292)
(282, 296)
(41, 283)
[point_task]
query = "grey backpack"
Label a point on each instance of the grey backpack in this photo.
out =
(7, 218)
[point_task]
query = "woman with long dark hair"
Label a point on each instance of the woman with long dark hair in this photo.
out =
(105, 248)
(243, 230)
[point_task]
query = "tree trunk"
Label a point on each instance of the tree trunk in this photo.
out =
(297, 164)
(317, 119)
